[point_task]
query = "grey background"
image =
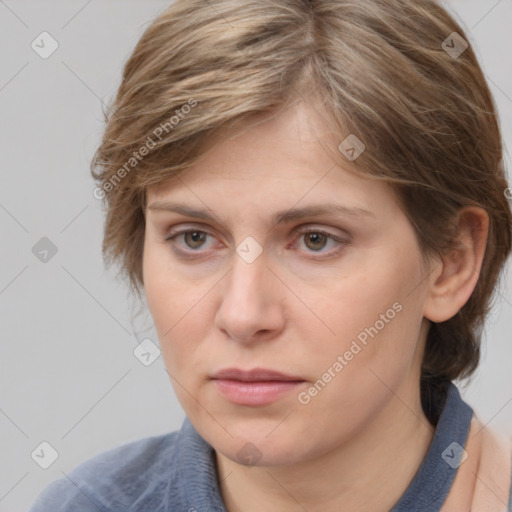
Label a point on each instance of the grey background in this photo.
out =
(68, 375)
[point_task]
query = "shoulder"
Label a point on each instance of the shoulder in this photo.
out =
(115, 479)
(494, 465)
(510, 488)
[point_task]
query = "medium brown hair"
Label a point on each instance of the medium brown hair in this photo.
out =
(384, 70)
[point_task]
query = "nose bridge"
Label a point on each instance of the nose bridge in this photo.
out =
(248, 303)
(245, 281)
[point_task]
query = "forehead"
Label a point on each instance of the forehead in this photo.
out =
(275, 159)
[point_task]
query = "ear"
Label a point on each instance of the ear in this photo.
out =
(456, 273)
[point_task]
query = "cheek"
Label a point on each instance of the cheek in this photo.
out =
(177, 307)
(357, 299)
(166, 291)
(376, 319)
(158, 289)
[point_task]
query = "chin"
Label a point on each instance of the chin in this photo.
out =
(259, 443)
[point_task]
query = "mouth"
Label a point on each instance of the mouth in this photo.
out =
(254, 387)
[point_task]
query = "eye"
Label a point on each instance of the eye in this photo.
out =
(315, 240)
(194, 238)
(189, 241)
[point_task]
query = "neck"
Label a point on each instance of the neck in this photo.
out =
(369, 473)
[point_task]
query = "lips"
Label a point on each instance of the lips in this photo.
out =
(255, 375)
(256, 387)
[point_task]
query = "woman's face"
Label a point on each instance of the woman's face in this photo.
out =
(332, 298)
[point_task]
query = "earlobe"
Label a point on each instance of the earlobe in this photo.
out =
(453, 282)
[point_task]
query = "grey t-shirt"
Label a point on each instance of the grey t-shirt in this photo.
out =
(176, 472)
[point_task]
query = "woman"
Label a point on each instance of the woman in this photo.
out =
(311, 197)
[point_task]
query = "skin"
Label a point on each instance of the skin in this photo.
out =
(358, 443)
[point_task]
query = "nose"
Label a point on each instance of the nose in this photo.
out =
(251, 306)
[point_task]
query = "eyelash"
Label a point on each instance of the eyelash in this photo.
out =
(191, 252)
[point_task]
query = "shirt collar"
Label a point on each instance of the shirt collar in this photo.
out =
(431, 485)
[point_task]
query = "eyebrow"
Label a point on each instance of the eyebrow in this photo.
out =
(278, 218)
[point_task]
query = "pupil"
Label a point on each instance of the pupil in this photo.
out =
(195, 237)
(315, 238)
